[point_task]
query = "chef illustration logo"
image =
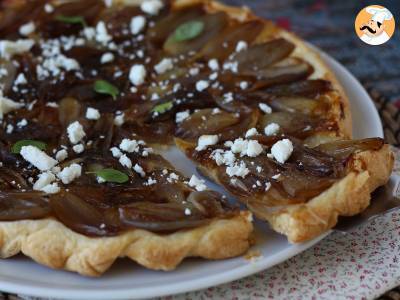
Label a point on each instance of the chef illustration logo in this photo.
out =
(375, 25)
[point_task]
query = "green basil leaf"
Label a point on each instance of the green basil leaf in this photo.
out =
(163, 107)
(104, 87)
(16, 148)
(112, 175)
(71, 19)
(188, 31)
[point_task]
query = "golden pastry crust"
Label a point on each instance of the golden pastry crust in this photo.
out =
(50, 243)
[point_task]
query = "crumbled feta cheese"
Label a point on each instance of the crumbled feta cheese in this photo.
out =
(244, 85)
(7, 105)
(51, 188)
(240, 46)
(70, 173)
(231, 66)
(181, 116)
(116, 152)
(251, 132)
(201, 85)
(194, 71)
(119, 120)
(106, 58)
(22, 123)
(129, 145)
(228, 97)
(48, 8)
(271, 129)
(239, 170)
(213, 64)
(89, 33)
(188, 212)
(206, 140)
(137, 24)
(276, 177)
(152, 7)
(21, 79)
(125, 161)
(44, 179)
(265, 108)
(92, 114)
(10, 48)
(267, 186)
(79, 148)
(137, 74)
(27, 29)
(61, 155)
(215, 111)
(254, 148)
(138, 169)
(75, 132)
(163, 66)
(282, 150)
(9, 129)
(223, 157)
(102, 35)
(240, 146)
(38, 158)
(197, 183)
(52, 104)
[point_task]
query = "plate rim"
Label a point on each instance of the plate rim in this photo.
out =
(239, 272)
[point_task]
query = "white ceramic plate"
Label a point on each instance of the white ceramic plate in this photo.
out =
(128, 280)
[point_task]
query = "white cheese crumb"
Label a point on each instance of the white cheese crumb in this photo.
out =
(251, 132)
(129, 145)
(125, 161)
(254, 148)
(271, 129)
(267, 186)
(102, 35)
(10, 48)
(75, 132)
(107, 57)
(22, 123)
(9, 129)
(62, 155)
(240, 46)
(27, 28)
(181, 116)
(194, 71)
(152, 7)
(282, 150)
(92, 114)
(21, 79)
(188, 212)
(137, 74)
(240, 146)
(197, 183)
(44, 179)
(163, 66)
(239, 170)
(51, 188)
(265, 108)
(116, 152)
(52, 104)
(79, 148)
(206, 140)
(119, 120)
(38, 158)
(137, 24)
(201, 85)
(215, 111)
(69, 174)
(48, 8)
(7, 105)
(213, 64)
(138, 169)
(244, 85)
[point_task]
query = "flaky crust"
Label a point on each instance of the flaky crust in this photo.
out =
(50, 243)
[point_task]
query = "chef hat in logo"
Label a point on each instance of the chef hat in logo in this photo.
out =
(379, 14)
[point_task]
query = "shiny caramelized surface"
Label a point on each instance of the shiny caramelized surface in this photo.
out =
(262, 73)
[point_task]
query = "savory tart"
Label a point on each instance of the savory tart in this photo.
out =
(91, 89)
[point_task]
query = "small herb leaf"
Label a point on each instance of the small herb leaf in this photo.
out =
(104, 87)
(71, 19)
(16, 148)
(112, 175)
(163, 107)
(188, 31)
